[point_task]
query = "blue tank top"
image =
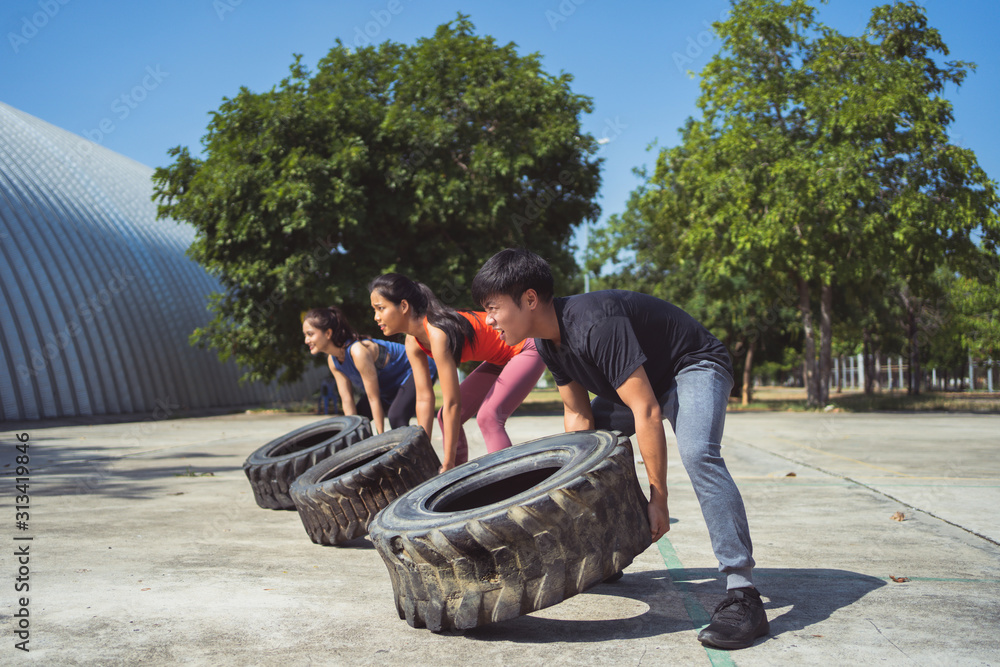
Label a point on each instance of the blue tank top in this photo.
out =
(392, 366)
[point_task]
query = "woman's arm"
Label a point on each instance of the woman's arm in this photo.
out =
(365, 363)
(344, 389)
(422, 383)
(451, 396)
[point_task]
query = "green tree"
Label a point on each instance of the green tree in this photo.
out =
(668, 236)
(975, 301)
(935, 202)
(821, 163)
(424, 159)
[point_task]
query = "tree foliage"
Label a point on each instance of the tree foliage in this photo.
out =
(424, 159)
(821, 164)
(975, 302)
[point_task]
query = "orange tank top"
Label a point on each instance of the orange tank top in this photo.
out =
(486, 344)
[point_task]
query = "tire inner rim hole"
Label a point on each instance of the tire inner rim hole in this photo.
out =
(305, 442)
(496, 491)
(352, 465)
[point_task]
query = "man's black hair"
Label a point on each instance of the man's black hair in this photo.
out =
(512, 272)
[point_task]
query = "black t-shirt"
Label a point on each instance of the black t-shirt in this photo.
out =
(606, 336)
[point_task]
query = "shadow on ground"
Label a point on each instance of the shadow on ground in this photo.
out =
(119, 476)
(664, 601)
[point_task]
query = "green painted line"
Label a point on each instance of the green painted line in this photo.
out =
(956, 486)
(796, 485)
(682, 575)
(799, 485)
(670, 558)
(949, 581)
(695, 611)
(763, 574)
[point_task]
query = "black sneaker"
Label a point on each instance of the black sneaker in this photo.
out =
(737, 621)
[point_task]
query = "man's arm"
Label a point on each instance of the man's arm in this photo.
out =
(577, 415)
(637, 394)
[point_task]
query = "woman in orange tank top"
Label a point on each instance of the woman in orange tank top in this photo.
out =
(491, 392)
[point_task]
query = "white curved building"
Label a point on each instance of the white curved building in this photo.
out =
(97, 298)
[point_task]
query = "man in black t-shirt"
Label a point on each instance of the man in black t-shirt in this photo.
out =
(646, 360)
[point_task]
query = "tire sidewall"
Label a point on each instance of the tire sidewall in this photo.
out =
(581, 451)
(345, 425)
(388, 441)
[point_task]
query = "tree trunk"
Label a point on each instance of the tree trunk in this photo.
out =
(747, 373)
(825, 341)
(810, 377)
(878, 370)
(913, 388)
(866, 353)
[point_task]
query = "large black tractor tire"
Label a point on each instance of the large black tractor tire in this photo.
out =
(514, 531)
(340, 495)
(272, 468)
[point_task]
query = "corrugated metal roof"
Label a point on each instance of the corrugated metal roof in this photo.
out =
(97, 298)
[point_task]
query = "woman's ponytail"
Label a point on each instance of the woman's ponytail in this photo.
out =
(458, 329)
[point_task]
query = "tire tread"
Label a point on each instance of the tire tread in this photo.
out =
(525, 557)
(338, 510)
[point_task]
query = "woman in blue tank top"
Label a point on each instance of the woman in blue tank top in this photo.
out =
(378, 369)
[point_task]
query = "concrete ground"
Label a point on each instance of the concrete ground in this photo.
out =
(147, 547)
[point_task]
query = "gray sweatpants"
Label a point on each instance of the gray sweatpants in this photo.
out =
(696, 409)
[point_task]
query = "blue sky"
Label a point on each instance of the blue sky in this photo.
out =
(139, 78)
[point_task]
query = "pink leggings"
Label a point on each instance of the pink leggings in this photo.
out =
(493, 392)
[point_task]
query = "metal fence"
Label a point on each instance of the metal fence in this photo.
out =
(893, 373)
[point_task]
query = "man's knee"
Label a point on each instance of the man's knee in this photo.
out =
(695, 455)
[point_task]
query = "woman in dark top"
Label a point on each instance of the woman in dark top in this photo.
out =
(379, 369)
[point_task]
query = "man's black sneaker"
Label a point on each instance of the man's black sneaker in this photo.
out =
(737, 621)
